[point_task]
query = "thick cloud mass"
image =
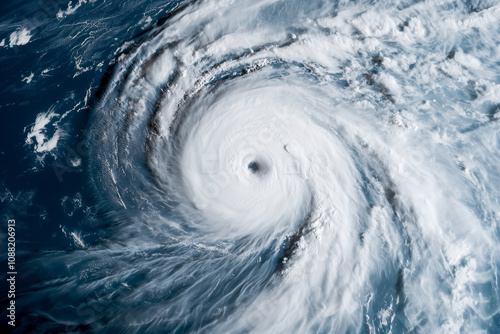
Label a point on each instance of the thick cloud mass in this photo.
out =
(295, 166)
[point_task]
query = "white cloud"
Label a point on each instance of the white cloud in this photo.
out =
(20, 37)
(38, 133)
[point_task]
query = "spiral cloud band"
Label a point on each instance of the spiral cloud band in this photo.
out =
(296, 166)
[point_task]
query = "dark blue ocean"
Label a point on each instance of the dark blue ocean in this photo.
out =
(242, 166)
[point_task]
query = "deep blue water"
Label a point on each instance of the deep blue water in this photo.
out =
(32, 189)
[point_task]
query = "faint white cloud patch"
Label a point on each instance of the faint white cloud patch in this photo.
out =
(38, 135)
(28, 78)
(20, 37)
(71, 9)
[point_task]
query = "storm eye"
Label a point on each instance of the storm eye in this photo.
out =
(254, 167)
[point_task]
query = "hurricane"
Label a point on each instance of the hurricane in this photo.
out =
(265, 166)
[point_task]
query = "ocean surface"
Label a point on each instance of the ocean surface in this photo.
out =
(251, 166)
